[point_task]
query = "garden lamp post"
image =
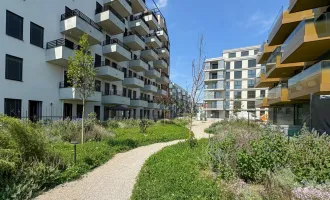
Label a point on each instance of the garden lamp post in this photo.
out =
(74, 151)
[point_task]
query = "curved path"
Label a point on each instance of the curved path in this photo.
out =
(115, 179)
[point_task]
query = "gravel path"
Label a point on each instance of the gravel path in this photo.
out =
(115, 179)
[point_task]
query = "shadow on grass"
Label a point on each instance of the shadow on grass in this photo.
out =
(123, 143)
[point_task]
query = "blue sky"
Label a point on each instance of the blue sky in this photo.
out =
(225, 24)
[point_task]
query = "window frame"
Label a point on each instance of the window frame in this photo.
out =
(249, 103)
(246, 53)
(232, 55)
(251, 96)
(32, 24)
(238, 75)
(18, 106)
(21, 35)
(241, 65)
(254, 63)
(20, 70)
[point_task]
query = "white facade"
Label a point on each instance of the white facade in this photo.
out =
(43, 69)
(229, 82)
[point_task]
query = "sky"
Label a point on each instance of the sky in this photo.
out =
(225, 24)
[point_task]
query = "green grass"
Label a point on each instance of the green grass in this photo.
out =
(175, 173)
(93, 154)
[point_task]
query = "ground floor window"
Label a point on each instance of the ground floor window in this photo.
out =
(13, 107)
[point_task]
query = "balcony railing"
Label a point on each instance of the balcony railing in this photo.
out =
(64, 84)
(141, 98)
(62, 42)
(135, 33)
(76, 13)
(108, 8)
(133, 18)
(294, 37)
(153, 34)
(310, 72)
(273, 56)
(151, 12)
(113, 92)
(276, 92)
(163, 74)
(275, 26)
(110, 64)
(116, 41)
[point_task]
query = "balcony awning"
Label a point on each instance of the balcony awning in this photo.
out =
(118, 108)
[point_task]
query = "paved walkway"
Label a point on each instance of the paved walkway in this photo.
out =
(115, 179)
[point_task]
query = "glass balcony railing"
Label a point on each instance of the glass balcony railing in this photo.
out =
(276, 92)
(276, 25)
(273, 56)
(262, 48)
(310, 72)
(294, 37)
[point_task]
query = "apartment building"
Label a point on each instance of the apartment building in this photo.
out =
(229, 83)
(130, 44)
(296, 56)
(182, 100)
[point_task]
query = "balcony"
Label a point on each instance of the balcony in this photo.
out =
(278, 95)
(138, 25)
(208, 78)
(309, 41)
(162, 92)
(67, 92)
(115, 98)
(75, 24)
(110, 72)
(153, 105)
(160, 64)
(110, 20)
(123, 7)
(149, 54)
(59, 51)
(116, 50)
(265, 52)
(263, 82)
(139, 65)
(164, 79)
(138, 6)
(275, 69)
(152, 73)
(151, 19)
(301, 5)
(262, 103)
(139, 102)
(134, 42)
(314, 80)
(284, 24)
(133, 82)
(163, 35)
(150, 88)
(153, 41)
(163, 52)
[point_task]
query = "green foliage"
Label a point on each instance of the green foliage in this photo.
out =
(174, 173)
(143, 126)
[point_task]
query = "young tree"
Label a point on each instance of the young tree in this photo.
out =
(197, 86)
(81, 74)
(167, 101)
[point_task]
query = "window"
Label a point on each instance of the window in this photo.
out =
(97, 61)
(262, 93)
(245, 53)
(237, 94)
(107, 62)
(106, 88)
(250, 83)
(251, 105)
(227, 114)
(214, 66)
(97, 85)
(36, 35)
(227, 75)
(251, 94)
(97, 111)
(238, 65)
(262, 113)
(237, 84)
(252, 63)
(13, 107)
(227, 95)
(79, 111)
(238, 75)
(227, 85)
(214, 76)
(228, 65)
(252, 74)
(14, 25)
(237, 105)
(14, 68)
(232, 55)
(256, 51)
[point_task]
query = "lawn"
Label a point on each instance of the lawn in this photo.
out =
(176, 173)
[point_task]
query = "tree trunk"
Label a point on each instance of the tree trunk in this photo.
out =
(82, 123)
(164, 116)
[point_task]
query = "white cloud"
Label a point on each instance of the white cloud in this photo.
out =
(260, 22)
(162, 3)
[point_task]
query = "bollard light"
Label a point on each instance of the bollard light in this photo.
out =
(74, 151)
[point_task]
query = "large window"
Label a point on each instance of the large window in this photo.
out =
(245, 53)
(97, 61)
(237, 84)
(227, 75)
(13, 107)
(251, 73)
(36, 35)
(251, 83)
(14, 67)
(238, 65)
(232, 55)
(251, 94)
(14, 25)
(238, 75)
(237, 94)
(227, 95)
(238, 105)
(251, 105)
(262, 93)
(228, 65)
(227, 85)
(214, 66)
(252, 63)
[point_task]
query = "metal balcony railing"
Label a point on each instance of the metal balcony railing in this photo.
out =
(113, 92)
(116, 41)
(108, 8)
(62, 42)
(72, 13)
(134, 33)
(110, 64)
